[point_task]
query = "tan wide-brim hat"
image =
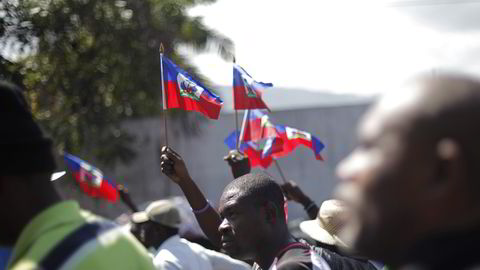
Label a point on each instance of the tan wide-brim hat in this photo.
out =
(163, 212)
(326, 226)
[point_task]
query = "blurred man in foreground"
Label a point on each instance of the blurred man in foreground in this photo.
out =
(157, 228)
(44, 231)
(413, 182)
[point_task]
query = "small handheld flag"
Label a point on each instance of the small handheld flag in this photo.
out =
(293, 137)
(184, 92)
(256, 126)
(247, 93)
(91, 179)
(259, 154)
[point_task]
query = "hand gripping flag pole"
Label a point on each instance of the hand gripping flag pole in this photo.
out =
(164, 95)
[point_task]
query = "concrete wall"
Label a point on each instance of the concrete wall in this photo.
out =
(203, 154)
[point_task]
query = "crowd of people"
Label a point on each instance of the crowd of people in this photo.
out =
(408, 198)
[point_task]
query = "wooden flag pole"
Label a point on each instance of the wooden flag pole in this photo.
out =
(242, 130)
(236, 130)
(236, 114)
(280, 171)
(164, 96)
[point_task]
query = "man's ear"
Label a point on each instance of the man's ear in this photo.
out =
(450, 169)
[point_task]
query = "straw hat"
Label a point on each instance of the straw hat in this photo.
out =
(327, 225)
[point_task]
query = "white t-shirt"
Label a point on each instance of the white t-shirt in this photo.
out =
(180, 254)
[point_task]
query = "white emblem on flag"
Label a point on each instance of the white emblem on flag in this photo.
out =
(264, 121)
(90, 174)
(247, 84)
(293, 133)
(188, 88)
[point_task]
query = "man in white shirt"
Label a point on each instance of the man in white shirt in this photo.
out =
(157, 228)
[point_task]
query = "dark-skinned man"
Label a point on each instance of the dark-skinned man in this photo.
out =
(413, 182)
(251, 224)
(44, 231)
(157, 228)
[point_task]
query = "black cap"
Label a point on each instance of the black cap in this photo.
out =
(24, 148)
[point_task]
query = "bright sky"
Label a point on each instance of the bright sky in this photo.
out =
(344, 46)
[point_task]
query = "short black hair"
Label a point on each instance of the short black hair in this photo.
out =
(260, 187)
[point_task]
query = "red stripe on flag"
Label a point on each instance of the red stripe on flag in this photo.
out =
(244, 102)
(255, 158)
(255, 132)
(105, 191)
(204, 105)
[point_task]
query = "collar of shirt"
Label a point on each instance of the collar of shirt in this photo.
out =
(171, 240)
(48, 219)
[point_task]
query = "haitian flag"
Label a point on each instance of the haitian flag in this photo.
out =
(258, 154)
(293, 137)
(91, 179)
(247, 93)
(257, 126)
(183, 92)
(271, 146)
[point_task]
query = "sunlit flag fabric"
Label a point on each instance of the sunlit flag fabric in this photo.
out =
(184, 92)
(293, 137)
(270, 146)
(247, 92)
(257, 126)
(90, 179)
(259, 154)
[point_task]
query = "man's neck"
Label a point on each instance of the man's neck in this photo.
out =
(163, 239)
(272, 248)
(38, 201)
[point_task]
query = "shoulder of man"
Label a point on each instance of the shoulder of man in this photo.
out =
(301, 258)
(166, 262)
(338, 261)
(111, 248)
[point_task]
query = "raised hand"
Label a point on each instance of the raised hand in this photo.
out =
(238, 162)
(293, 192)
(173, 165)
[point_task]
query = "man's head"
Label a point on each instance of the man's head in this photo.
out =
(159, 221)
(252, 214)
(26, 163)
(414, 172)
(24, 148)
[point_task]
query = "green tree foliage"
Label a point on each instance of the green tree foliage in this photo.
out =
(87, 65)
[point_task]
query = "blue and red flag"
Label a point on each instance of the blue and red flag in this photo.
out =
(272, 145)
(247, 93)
(183, 92)
(257, 126)
(292, 137)
(90, 179)
(259, 154)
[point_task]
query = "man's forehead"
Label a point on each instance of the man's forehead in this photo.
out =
(395, 109)
(230, 197)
